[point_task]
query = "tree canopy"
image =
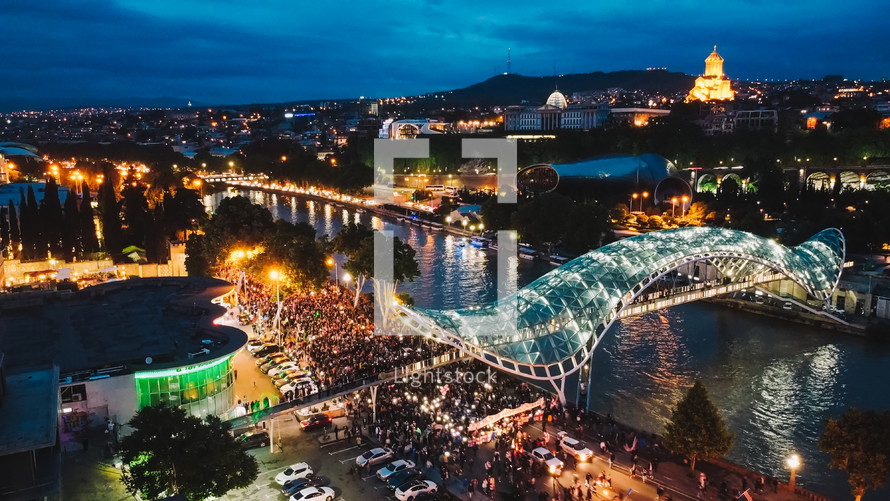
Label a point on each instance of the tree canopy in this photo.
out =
(171, 452)
(696, 428)
(859, 443)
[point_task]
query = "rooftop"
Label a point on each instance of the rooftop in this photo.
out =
(118, 327)
(30, 419)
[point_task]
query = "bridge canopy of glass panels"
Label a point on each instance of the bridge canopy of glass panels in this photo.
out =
(549, 328)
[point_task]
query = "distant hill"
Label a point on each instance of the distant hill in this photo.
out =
(512, 89)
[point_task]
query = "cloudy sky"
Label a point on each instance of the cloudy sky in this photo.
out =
(76, 52)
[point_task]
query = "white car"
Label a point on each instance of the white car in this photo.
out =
(374, 456)
(293, 472)
(294, 385)
(554, 465)
(283, 368)
(314, 494)
(255, 345)
(576, 448)
(412, 489)
(393, 467)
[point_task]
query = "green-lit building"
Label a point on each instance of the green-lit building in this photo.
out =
(125, 345)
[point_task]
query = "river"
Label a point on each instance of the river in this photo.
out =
(775, 382)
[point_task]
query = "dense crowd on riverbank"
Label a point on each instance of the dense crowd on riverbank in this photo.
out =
(326, 333)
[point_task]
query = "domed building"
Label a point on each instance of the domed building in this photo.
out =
(713, 85)
(555, 114)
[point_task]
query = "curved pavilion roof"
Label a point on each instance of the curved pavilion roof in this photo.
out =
(557, 315)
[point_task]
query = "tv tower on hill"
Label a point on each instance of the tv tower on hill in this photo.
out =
(508, 62)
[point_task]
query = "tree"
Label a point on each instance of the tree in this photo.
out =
(110, 214)
(71, 241)
(696, 429)
(171, 452)
(51, 218)
(4, 232)
(236, 223)
(361, 264)
(88, 239)
(196, 262)
(859, 443)
(15, 238)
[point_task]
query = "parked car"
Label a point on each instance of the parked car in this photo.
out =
(288, 365)
(292, 487)
(401, 478)
(267, 357)
(315, 421)
(787, 306)
(267, 350)
(411, 490)
(273, 363)
(314, 494)
(543, 455)
(576, 449)
(374, 456)
(255, 345)
(394, 467)
(295, 385)
(293, 472)
(253, 440)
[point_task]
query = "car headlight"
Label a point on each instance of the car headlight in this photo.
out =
(553, 468)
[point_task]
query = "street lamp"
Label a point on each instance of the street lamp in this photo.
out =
(793, 463)
(673, 206)
(632, 198)
(645, 195)
(331, 262)
(683, 207)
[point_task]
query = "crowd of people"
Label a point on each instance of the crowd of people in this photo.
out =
(330, 337)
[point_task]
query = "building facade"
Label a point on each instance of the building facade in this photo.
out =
(556, 114)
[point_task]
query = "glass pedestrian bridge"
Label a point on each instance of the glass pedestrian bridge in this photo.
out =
(549, 329)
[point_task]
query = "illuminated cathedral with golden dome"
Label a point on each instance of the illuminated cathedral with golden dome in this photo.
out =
(713, 85)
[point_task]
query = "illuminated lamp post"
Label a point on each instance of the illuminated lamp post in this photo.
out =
(330, 262)
(645, 195)
(632, 198)
(793, 463)
(673, 206)
(683, 207)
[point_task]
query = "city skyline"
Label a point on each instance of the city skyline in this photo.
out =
(210, 53)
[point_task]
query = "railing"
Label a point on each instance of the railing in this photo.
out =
(688, 293)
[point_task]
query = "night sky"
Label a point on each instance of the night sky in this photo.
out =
(71, 53)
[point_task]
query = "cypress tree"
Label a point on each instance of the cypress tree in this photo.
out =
(51, 217)
(71, 245)
(4, 231)
(38, 242)
(25, 228)
(110, 215)
(88, 238)
(15, 237)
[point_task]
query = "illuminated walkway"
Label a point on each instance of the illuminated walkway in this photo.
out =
(549, 329)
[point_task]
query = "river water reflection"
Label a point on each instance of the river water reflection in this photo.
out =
(775, 381)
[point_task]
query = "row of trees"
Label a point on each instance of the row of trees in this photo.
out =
(239, 226)
(38, 230)
(551, 218)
